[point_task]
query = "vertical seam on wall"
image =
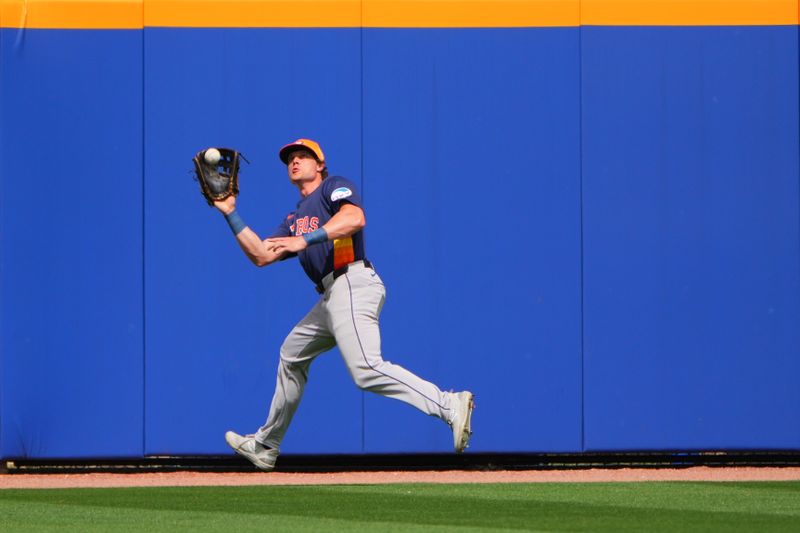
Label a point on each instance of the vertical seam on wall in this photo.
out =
(2, 250)
(580, 186)
(363, 196)
(144, 251)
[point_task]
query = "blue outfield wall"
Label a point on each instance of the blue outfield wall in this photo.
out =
(472, 183)
(199, 383)
(71, 233)
(691, 252)
(595, 229)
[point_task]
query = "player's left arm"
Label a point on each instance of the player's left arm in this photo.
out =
(347, 221)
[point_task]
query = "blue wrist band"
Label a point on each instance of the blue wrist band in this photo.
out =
(235, 222)
(316, 236)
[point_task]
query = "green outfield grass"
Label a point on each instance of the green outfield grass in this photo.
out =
(650, 506)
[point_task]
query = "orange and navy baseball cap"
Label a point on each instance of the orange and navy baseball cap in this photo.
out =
(307, 144)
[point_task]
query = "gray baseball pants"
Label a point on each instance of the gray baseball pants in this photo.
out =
(346, 316)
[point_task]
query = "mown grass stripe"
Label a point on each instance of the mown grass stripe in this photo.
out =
(657, 506)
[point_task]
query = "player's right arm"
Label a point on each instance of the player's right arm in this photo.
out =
(251, 244)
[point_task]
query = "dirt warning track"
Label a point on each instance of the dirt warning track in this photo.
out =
(187, 479)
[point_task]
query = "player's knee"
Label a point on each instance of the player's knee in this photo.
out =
(290, 363)
(287, 360)
(363, 380)
(297, 369)
(287, 354)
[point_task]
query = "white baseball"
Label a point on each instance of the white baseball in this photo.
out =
(212, 156)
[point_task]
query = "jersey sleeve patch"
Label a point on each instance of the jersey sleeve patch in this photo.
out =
(340, 193)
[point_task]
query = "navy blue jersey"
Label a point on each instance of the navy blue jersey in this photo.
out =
(312, 213)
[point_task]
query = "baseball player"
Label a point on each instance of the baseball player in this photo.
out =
(325, 232)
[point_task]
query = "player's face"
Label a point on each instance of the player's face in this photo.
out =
(303, 166)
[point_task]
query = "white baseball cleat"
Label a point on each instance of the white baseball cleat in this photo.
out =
(255, 452)
(462, 404)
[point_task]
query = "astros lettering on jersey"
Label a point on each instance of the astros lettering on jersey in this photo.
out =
(312, 213)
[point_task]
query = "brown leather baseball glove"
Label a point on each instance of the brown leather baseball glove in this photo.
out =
(218, 176)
